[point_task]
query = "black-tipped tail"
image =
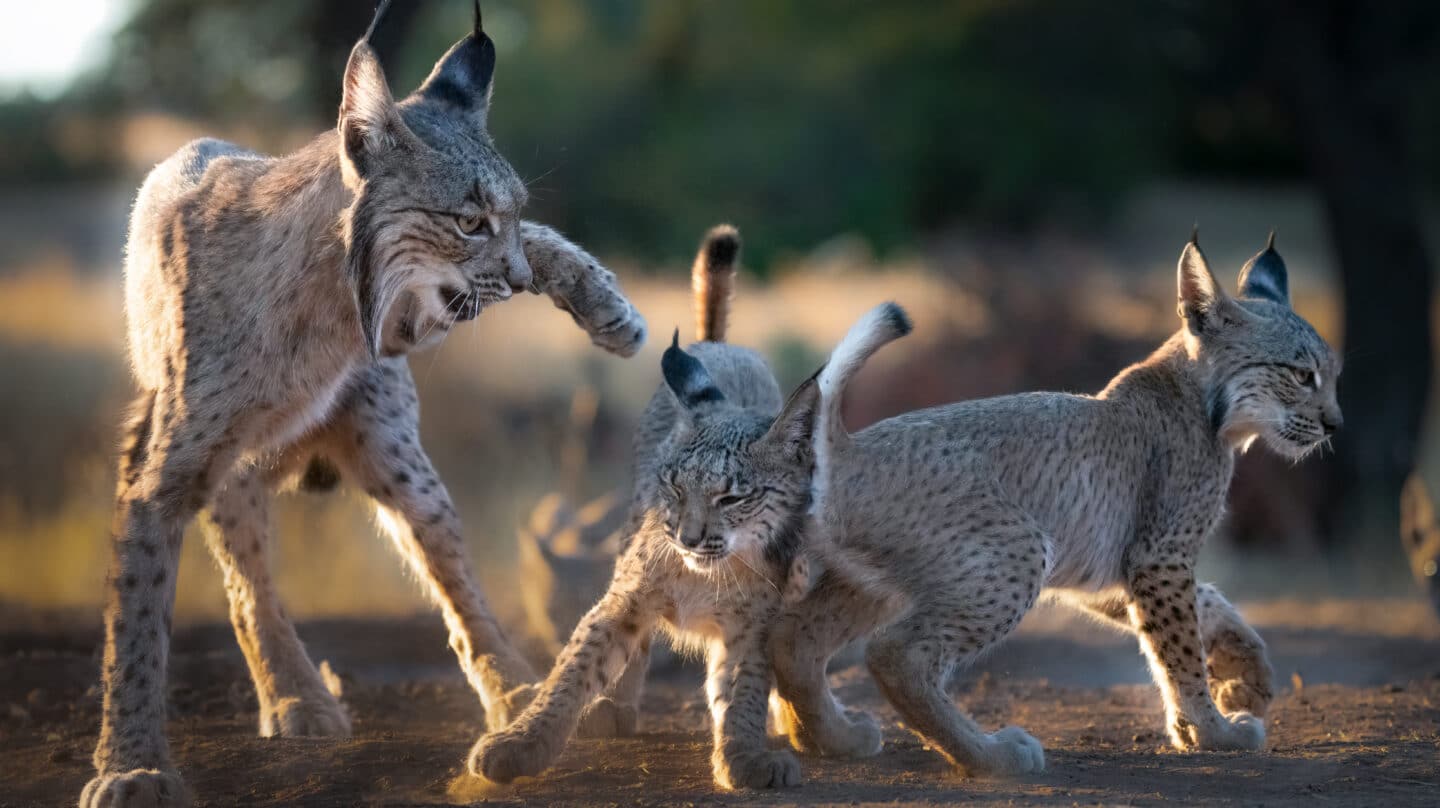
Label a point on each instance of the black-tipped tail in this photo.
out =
(712, 279)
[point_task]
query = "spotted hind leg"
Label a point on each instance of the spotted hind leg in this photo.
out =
(294, 699)
(967, 610)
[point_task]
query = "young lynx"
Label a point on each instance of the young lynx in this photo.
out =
(944, 525)
(271, 302)
(722, 497)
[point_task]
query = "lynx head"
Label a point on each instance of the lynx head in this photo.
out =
(1269, 375)
(433, 233)
(733, 482)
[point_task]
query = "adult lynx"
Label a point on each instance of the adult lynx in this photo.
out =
(270, 304)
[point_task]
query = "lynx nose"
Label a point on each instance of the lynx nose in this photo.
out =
(517, 272)
(1332, 422)
(692, 538)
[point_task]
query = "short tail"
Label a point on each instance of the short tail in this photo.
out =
(713, 281)
(882, 324)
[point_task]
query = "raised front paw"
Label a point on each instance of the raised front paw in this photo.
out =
(608, 718)
(767, 769)
(620, 330)
(1008, 752)
(315, 716)
(501, 757)
(140, 788)
(1236, 732)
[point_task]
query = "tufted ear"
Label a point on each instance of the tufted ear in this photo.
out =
(793, 432)
(1200, 294)
(687, 378)
(370, 124)
(463, 78)
(1264, 276)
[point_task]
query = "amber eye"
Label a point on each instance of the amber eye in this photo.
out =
(1305, 378)
(474, 225)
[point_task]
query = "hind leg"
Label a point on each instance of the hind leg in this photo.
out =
(1241, 679)
(999, 577)
(165, 478)
(376, 440)
(802, 641)
(294, 700)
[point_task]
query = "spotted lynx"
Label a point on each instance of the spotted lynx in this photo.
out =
(270, 304)
(722, 498)
(945, 525)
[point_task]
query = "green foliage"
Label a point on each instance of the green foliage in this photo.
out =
(641, 122)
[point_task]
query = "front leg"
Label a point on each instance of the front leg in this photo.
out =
(603, 644)
(1162, 609)
(580, 285)
(616, 714)
(376, 441)
(738, 687)
(1241, 678)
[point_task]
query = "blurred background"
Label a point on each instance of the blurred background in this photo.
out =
(1020, 175)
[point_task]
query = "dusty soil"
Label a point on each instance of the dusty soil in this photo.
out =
(1358, 723)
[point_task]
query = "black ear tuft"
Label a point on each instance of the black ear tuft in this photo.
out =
(687, 377)
(463, 77)
(380, 10)
(1265, 276)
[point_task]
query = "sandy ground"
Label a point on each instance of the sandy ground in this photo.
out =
(1357, 723)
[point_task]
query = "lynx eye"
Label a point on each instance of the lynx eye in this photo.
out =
(475, 225)
(730, 500)
(1304, 377)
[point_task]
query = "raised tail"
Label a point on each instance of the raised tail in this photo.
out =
(713, 280)
(882, 324)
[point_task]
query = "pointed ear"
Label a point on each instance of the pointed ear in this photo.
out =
(794, 429)
(687, 378)
(1264, 276)
(464, 76)
(370, 124)
(1200, 294)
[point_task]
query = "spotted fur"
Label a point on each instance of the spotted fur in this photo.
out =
(270, 302)
(940, 528)
(723, 476)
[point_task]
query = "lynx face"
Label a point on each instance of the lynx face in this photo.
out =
(1275, 378)
(433, 234)
(734, 483)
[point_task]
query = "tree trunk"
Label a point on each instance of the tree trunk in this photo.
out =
(1349, 92)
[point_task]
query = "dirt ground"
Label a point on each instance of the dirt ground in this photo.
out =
(1357, 723)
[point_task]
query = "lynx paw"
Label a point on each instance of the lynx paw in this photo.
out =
(140, 788)
(623, 334)
(315, 716)
(1010, 751)
(860, 738)
(1238, 732)
(767, 769)
(1240, 677)
(1238, 696)
(607, 718)
(500, 757)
